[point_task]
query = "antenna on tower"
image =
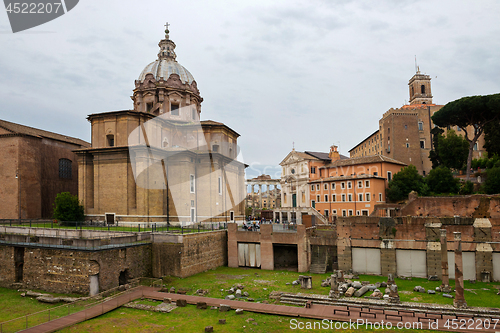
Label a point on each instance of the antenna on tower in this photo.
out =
(416, 63)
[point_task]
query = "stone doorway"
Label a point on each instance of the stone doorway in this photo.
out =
(19, 263)
(124, 277)
(94, 285)
(286, 257)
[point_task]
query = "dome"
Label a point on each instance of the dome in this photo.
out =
(164, 68)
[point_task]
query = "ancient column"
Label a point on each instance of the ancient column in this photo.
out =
(334, 286)
(260, 195)
(459, 300)
(445, 285)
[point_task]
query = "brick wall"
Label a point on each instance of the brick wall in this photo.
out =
(69, 271)
(186, 255)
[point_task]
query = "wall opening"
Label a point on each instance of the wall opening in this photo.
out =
(124, 277)
(286, 257)
(110, 218)
(94, 285)
(19, 263)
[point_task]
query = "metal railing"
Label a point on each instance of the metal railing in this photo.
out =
(90, 306)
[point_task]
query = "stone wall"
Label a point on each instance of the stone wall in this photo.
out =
(188, 254)
(69, 271)
(417, 233)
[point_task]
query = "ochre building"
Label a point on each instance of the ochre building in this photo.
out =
(159, 162)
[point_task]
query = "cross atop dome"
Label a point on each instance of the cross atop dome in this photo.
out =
(167, 46)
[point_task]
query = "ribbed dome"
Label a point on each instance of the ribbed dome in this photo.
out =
(164, 68)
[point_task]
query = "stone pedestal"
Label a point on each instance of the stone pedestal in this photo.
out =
(393, 294)
(459, 300)
(390, 280)
(305, 282)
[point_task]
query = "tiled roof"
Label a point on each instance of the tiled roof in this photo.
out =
(323, 156)
(346, 178)
(365, 160)
(35, 132)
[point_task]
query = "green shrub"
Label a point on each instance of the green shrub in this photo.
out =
(67, 208)
(466, 188)
(441, 180)
(405, 181)
(492, 183)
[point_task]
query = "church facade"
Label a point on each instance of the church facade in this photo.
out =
(159, 162)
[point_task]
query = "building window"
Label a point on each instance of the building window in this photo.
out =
(422, 89)
(313, 203)
(360, 196)
(367, 196)
(406, 126)
(350, 212)
(389, 176)
(312, 187)
(349, 185)
(375, 173)
(174, 109)
(407, 145)
(220, 185)
(349, 197)
(334, 212)
(420, 126)
(364, 212)
(193, 215)
(360, 184)
(317, 187)
(111, 140)
(284, 197)
(293, 171)
(326, 197)
(326, 212)
(344, 212)
(64, 168)
(149, 107)
(422, 144)
(318, 198)
(342, 185)
(191, 183)
(333, 186)
(215, 148)
(343, 197)
(334, 197)
(313, 170)
(459, 129)
(367, 183)
(380, 197)
(475, 146)
(326, 186)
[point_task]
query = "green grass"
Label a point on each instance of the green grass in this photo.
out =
(190, 319)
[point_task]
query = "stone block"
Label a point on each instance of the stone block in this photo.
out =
(181, 302)
(224, 308)
(209, 329)
(201, 305)
(230, 297)
(350, 292)
(239, 311)
(222, 321)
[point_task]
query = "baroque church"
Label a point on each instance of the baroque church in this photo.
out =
(159, 162)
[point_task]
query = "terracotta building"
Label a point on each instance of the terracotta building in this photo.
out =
(353, 186)
(404, 134)
(159, 162)
(35, 166)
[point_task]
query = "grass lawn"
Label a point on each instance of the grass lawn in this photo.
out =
(258, 283)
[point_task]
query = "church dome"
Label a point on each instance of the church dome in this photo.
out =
(166, 64)
(164, 68)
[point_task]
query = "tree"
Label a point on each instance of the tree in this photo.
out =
(492, 138)
(473, 111)
(405, 181)
(67, 208)
(492, 183)
(450, 151)
(441, 180)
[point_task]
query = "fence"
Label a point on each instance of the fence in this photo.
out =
(100, 226)
(88, 306)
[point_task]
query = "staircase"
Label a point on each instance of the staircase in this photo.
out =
(319, 260)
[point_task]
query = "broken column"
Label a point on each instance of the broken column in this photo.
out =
(459, 300)
(334, 286)
(445, 285)
(305, 282)
(393, 294)
(390, 279)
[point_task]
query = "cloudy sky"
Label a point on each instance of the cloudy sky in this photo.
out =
(313, 73)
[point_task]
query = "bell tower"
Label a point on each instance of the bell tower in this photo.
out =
(420, 88)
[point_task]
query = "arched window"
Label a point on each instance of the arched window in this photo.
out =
(64, 168)
(422, 89)
(412, 91)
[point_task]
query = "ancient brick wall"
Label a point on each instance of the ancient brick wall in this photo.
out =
(477, 205)
(185, 255)
(69, 271)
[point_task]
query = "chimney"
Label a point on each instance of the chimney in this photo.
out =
(334, 154)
